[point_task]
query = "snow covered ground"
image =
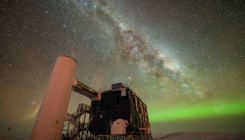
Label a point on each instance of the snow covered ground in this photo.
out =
(200, 136)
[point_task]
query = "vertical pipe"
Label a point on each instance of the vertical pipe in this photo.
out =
(50, 120)
(85, 114)
(67, 134)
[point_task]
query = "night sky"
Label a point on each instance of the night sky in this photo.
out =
(184, 58)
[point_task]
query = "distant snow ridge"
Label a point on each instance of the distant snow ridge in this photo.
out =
(202, 136)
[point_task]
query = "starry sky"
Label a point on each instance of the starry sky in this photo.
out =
(185, 59)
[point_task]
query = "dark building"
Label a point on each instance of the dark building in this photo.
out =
(120, 111)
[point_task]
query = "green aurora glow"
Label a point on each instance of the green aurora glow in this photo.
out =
(200, 111)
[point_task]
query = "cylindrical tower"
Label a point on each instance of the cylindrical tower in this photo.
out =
(50, 120)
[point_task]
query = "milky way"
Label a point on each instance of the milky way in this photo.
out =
(185, 59)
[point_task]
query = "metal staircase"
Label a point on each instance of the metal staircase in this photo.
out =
(75, 121)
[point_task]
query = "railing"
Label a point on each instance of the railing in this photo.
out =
(81, 127)
(72, 132)
(74, 120)
(82, 108)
